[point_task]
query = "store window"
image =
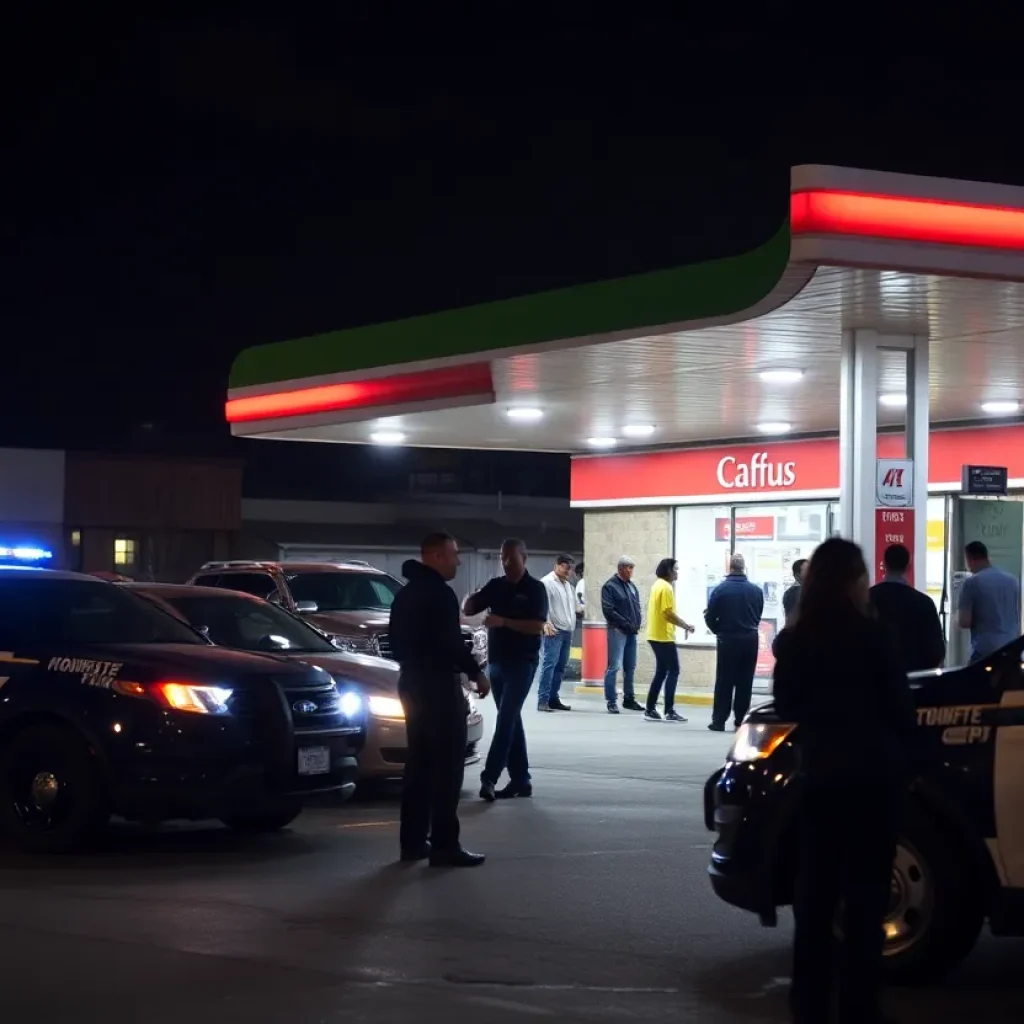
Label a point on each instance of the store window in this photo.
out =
(702, 549)
(770, 538)
(124, 552)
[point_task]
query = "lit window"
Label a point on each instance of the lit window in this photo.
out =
(76, 538)
(124, 552)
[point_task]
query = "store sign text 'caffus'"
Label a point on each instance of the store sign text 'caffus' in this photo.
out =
(756, 475)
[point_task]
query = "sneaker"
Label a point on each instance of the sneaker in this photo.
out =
(511, 791)
(651, 715)
(545, 707)
(613, 708)
(633, 705)
(673, 716)
(557, 705)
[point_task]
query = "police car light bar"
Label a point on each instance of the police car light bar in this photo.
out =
(25, 553)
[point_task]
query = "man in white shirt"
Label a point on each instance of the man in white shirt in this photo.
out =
(581, 590)
(557, 642)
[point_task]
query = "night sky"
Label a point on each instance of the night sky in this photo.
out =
(180, 188)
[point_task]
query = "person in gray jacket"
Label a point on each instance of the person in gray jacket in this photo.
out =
(734, 616)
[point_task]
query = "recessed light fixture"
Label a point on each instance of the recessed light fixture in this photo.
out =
(601, 442)
(1007, 408)
(387, 437)
(782, 375)
(774, 428)
(525, 414)
(638, 430)
(893, 401)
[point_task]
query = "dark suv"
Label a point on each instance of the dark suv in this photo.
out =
(349, 601)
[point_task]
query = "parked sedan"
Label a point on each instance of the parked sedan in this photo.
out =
(246, 623)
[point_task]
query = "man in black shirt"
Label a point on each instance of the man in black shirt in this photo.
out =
(791, 598)
(517, 607)
(426, 640)
(911, 615)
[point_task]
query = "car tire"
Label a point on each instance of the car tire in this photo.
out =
(53, 797)
(937, 908)
(272, 817)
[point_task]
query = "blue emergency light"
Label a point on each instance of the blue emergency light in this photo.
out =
(25, 554)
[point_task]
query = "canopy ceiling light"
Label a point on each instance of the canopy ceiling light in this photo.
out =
(782, 375)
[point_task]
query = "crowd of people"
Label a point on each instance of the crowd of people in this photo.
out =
(841, 672)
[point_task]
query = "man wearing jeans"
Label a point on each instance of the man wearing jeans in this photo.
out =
(620, 602)
(557, 642)
(517, 606)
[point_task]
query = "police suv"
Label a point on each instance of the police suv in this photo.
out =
(960, 859)
(111, 706)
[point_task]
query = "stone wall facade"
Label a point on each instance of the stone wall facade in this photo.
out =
(645, 535)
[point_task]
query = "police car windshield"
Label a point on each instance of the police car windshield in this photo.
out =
(248, 624)
(82, 612)
(345, 591)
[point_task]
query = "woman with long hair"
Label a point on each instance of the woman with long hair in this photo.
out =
(838, 676)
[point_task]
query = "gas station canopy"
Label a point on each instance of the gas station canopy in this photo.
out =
(720, 351)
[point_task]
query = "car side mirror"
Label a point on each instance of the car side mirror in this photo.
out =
(306, 607)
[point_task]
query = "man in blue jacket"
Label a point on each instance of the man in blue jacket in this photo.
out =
(620, 603)
(734, 615)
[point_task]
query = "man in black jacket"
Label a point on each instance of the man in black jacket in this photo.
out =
(620, 603)
(911, 615)
(791, 598)
(426, 640)
(734, 616)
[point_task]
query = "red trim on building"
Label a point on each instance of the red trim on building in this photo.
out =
(776, 469)
(400, 389)
(824, 212)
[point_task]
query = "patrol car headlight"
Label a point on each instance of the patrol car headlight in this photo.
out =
(193, 697)
(349, 704)
(386, 707)
(755, 742)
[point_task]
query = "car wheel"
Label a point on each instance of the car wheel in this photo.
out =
(267, 818)
(53, 798)
(935, 908)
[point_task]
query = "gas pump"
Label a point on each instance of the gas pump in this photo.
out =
(999, 524)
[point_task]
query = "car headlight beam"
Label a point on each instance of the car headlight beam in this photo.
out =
(350, 704)
(386, 707)
(756, 741)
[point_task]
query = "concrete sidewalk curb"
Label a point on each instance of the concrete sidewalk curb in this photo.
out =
(693, 699)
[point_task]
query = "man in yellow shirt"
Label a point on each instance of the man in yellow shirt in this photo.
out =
(661, 635)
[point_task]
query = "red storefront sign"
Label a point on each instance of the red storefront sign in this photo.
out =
(737, 473)
(893, 526)
(747, 528)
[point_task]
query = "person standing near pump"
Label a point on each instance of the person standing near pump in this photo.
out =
(620, 602)
(734, 615)
(838, 676)
(426, 641)
(558, 631)
(988, 603)
(911, 615)
(517, 612)
(791, 598)
(662, 621)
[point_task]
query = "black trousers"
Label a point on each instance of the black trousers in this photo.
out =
(847, 843)
(435, 724)
(666, 672)
(734, 676)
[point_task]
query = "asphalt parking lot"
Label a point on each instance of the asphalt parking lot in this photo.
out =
(593, 906)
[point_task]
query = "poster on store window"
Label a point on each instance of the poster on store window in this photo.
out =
(766, 631)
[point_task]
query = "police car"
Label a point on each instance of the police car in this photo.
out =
(111, 706)
(960, 859)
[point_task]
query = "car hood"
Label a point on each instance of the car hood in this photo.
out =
(190, 662)
(370, 674)
(368, 623)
